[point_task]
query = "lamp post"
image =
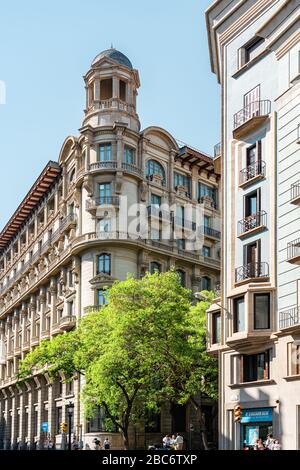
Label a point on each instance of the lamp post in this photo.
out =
(70, 408)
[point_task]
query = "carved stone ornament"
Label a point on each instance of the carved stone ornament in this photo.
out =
(88, 185)
(101, 280)
(143, 191)
(118, 185)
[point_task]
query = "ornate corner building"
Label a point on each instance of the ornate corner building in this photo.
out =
(254, 328)
(66, 244)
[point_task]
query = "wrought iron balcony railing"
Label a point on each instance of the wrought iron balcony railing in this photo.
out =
(211, 232)
(252, 171)
(289, 318)
(295, 190)
(255, 109)
(252, 221)
(293, 249)
(251, 271)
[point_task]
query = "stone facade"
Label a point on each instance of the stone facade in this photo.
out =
(66, 244)
(255, 50)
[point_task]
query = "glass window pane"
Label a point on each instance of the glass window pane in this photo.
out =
(261, 311)
(239, 315)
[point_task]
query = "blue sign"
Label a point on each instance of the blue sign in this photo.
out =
(45, 427)
(257, 415)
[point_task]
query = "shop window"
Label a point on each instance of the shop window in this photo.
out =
(238, 314)
(58, 419)
(178, 413)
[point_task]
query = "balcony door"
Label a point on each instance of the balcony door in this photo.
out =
(251, 102)
(104, 193)
(252, 259)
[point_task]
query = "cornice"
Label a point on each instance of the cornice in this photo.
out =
(291, 42)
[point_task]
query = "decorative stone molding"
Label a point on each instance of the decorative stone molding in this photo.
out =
(88, 185)
(102, 280)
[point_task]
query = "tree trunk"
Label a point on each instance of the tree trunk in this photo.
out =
(125, 439)
(199, 414)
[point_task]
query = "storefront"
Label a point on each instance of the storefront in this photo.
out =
(256, 423)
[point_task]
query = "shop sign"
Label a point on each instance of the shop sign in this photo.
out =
(257, 415)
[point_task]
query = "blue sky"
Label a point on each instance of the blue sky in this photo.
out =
(46, 48)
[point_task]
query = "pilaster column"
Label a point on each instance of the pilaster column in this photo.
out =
(14, 430)
(97, 89)
(6, 437)
(53, 292)
(51, 411)
(22, 430)
(30, 413)
(115, 89)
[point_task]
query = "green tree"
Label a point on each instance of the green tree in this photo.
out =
(145, 347)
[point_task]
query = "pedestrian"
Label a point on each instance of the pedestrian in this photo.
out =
(259, 445)
(173, 442)
(97, 444)
(167, 441)
(51, 444)
(276, 445)
(179, 442)
(106, 444)
(75, 445)
(269, 442)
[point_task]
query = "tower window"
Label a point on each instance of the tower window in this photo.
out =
(104, 263)
(106, 89)
(129, 155)
(104, 152)
(122, 90)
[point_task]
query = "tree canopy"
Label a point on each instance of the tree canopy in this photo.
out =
(145, 347)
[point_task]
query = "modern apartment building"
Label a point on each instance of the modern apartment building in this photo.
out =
(69, 240)
(254, 327)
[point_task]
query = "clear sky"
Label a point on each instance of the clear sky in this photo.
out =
(46, 48)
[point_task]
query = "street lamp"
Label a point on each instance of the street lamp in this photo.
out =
(70, 408)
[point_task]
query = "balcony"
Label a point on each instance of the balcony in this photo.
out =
(250, 118)
(108, 165)
(68, 222)
(93, 204)
(132, 169)
(252, 224)
(92, 309)
(67, 322)
(208, 202)
(252, 173)
(289, 318)
(252, 272)
(211, 232)
(295, 193)
(217, 158)
(293, 251)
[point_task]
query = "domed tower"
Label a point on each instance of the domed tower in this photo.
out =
(111, 90)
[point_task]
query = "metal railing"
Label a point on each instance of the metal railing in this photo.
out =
(252, 221)
(251, 271)
(295, 190)
(101, 201)
(256, 169)
(289, 318)
(210, 232)
(254, 109)
(293, 249)
(218, 150)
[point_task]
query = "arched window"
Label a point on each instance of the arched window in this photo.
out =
(104, 263)
(181, 275)
(206, 283)
(155, 168)
(155, 267)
